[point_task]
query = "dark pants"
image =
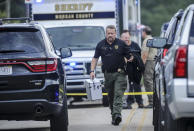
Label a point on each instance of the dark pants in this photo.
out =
(134, 87)
(115, 84)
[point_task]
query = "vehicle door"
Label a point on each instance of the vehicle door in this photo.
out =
(190, 58)
(167, 72)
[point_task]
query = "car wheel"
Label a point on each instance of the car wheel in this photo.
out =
(155, 107)
(59, 122)
(105, 102)
(155, 112)
(160, 119)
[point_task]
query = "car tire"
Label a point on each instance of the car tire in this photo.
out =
(155, 104)
(59, 122)
(160, 112)
(105, 102)
(160, 119)
(155, 112)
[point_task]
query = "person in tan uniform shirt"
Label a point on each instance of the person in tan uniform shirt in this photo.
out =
(148, 55)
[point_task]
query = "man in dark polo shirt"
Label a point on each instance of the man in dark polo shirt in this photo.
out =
(112, 52)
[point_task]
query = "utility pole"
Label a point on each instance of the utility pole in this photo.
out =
(125, 14)
(27, 10)
(8, 8)
(138, 2)
(28, 4)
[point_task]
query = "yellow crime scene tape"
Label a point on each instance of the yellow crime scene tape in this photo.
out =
(126, 93)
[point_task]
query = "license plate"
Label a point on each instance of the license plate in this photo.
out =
(5, 70)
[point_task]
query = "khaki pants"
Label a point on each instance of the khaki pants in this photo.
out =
(148, 78)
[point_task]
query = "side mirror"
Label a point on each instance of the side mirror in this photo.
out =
(157, 42)
(149, 43)
(65, 52)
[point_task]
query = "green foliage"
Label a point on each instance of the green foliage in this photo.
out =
(2, 5)
(2, 14)
(17, 8)
(156, 12)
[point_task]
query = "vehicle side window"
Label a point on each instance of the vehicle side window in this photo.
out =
(173, 31)
(191, 35)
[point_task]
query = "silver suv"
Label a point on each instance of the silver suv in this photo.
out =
(158, 103)
(178, 84)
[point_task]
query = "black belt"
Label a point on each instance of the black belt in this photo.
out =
(110, 71)
(113, 70)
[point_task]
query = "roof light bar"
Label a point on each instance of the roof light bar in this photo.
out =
(38, 1)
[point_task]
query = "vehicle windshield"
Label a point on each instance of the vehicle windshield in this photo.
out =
(20, 40)
(76, 38)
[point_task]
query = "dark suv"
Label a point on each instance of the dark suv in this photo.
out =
(32, 78)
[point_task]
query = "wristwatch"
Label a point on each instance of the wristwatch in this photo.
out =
(91, 71)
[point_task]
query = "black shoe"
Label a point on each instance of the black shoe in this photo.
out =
(117, 119)
(140, 105)
(148, 106)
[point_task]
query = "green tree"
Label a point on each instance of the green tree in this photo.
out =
(2, 9)
(2, 5)
(2, 14)
(18, 8)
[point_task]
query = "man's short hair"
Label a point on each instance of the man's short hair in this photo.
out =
(111, 27)
(147, 30)
(126, 31)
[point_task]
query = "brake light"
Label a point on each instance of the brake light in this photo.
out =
(164, 53)
(43, 65)
(34, 65)
(180, 67)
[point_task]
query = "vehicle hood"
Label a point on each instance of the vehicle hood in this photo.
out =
(88, 53)
(85, 55)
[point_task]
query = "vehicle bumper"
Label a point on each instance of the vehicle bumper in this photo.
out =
(180, 105)
(31, 104)
(28, 109)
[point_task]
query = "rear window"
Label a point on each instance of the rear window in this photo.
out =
(25, 39)
(191, 36)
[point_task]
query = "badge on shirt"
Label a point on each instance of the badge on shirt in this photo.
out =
(103, 48)
(116, 47)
